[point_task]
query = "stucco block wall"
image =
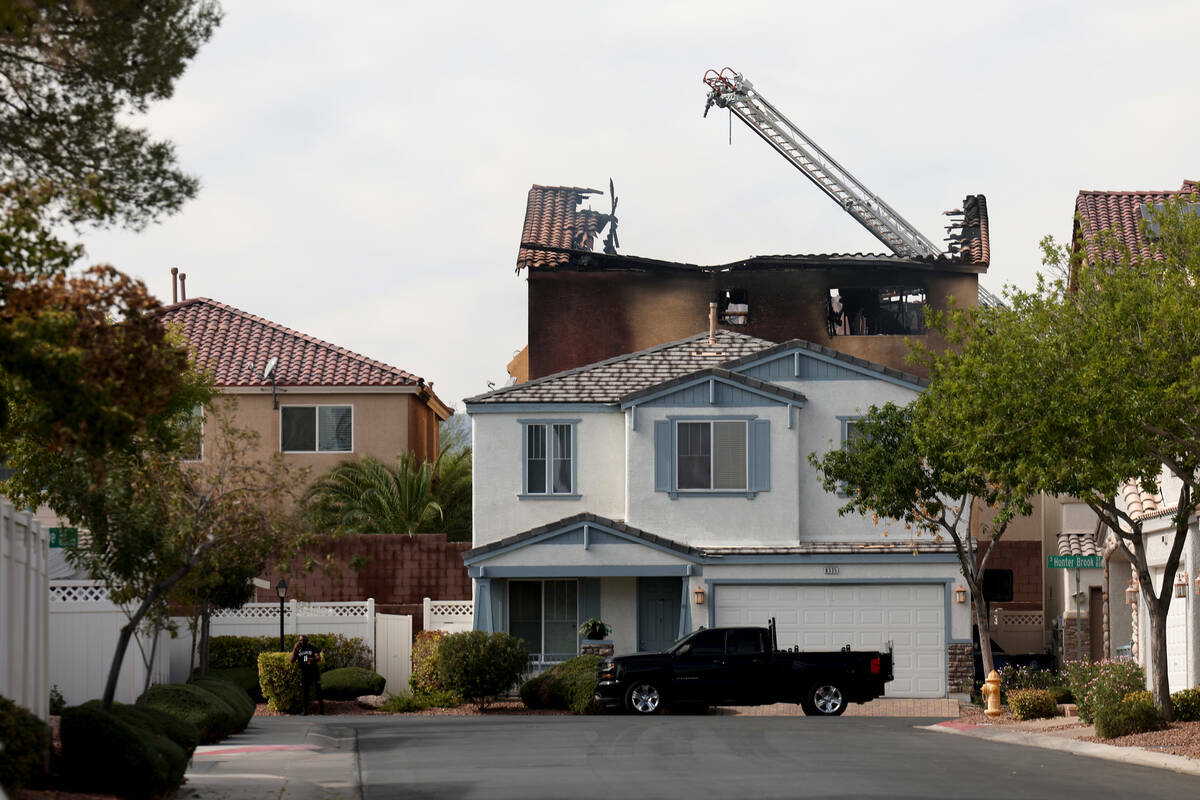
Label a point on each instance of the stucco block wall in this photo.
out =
(1025, 560)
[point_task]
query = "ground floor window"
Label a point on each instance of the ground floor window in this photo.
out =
(545, 615)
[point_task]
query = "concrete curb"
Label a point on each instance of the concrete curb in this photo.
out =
(1127, 755)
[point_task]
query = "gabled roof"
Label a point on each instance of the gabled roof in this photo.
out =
(1119, 212)
(554, 220)
(608, 381)
(567, 523)
(869, 368)
(236, 346)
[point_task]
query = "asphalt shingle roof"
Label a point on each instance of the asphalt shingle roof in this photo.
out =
(236, 346)
(1120, 212)
(608, 381)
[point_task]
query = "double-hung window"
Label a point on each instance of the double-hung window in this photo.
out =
(711, 455)
(316, 429)
(545, 616)
(549, 459)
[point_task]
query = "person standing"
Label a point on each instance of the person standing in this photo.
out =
(308, 658)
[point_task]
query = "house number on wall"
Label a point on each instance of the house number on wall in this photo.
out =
(832, 570)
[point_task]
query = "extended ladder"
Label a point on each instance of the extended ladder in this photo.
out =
(728, 89)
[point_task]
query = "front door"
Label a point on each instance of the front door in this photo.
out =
(658, 613)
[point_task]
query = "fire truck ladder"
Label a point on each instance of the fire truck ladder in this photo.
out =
(728, 89)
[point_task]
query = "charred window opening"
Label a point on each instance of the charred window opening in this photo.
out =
(889, 311)
(733, 307)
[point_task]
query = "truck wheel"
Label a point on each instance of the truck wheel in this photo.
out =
(824, 699)
(643, 698)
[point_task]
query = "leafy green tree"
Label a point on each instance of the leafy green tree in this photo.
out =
(1087, 384)
(369, 496)
(902, 466)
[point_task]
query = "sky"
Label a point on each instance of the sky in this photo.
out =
(364, 166)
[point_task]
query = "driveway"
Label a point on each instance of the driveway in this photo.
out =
(721, 756)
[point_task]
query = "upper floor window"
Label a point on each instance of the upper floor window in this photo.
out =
(316, 429)
(733, 306)
(549, 461)
(888, 311)
(694, 456)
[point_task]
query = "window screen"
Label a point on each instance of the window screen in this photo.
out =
(729, 455)
(334, 428)
(562, 624)
(298, 428)
(525, 613)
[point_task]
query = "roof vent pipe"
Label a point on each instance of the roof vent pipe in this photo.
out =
(182, 286)
(712, 323)
(174, 285)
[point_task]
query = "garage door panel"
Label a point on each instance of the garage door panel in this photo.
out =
(866, 616)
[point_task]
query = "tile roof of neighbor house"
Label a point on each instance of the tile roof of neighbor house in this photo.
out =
(553, 219)
(236, 346)
(1120, 212)
(1078, 544)
(558, 233)
(608, 381)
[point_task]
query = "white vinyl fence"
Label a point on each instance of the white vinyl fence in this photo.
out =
(451, 616)
(393, 659)
(24, 619)
(84, 627)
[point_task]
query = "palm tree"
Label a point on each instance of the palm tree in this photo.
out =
(452, 491)
(368, 496)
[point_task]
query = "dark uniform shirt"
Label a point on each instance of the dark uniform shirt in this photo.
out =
(308, 657)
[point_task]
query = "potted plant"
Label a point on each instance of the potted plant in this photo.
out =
(594, 629)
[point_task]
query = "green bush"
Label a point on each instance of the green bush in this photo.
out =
(1187, 705)
(1013, 678)
(211, 715)
(1032, 704)
(424, 677)
(178, 730)
(245, 678)
(101, 753)
(478, 666)
(1144, 696)
(570, 686)
(57, 703)
(280, 682)
(419, 701)
(1134, 715)
(337, 651)
(349, 683)
(26, 742)
(1102, 684)
(234, 697)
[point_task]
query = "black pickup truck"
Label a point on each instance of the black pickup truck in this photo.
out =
(742, 666)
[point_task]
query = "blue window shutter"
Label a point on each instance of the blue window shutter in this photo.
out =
(760, 455)
(662, 456)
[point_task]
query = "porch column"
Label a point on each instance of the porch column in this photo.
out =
(483, 605)
(685, 609)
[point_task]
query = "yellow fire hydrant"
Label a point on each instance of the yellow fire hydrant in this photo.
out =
(991, 693)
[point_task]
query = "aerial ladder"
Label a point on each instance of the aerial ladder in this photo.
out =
(728, 89)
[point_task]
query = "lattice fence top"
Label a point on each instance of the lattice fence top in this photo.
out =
(452, 608)
(256, 611)
(79, 593)
(1021, 618)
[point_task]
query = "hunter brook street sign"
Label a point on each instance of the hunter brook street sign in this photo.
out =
(1074, 562)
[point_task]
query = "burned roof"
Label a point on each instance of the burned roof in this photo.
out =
(555, 225)
(1120, 212)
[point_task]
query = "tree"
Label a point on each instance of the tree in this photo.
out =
(368, 496)
(901, 465)
(451, 487)
(74, 74)
(1089, 383)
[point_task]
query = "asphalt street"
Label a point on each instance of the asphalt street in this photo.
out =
(717, 757)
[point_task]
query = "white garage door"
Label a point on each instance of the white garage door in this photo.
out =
(1177, 644)
(864, 616)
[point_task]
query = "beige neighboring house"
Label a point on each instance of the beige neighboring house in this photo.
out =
(315, 402)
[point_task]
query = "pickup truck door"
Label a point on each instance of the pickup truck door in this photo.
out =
(701, 673)
(748, 666)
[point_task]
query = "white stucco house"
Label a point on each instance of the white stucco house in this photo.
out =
(669, 489)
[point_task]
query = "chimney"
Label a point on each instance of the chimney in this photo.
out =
(712, 323)
(182, 286)
(174, 284)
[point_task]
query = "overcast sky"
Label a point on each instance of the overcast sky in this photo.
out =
(365, 165)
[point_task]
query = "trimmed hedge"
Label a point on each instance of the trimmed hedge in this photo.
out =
(105, 754)
(1187, 705)
(424, 677)
(1032, 704)
(26, 741)
(280, 682)
(178, 730)
(570, 685)
(478, 666)
(349, 683)
(237, 699)
(245, 678)
(231, 652)
(1135, 714)
(215, 718)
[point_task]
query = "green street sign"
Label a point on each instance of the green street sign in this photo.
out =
(1074, 562)
(64, 537)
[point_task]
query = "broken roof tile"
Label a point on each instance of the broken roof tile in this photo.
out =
(554, 220)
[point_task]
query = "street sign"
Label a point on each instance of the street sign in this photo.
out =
(64, 537)
(1074, 562)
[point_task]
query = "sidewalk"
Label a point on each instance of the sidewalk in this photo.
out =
(1061, 734)
(883, 707)
(291, 758)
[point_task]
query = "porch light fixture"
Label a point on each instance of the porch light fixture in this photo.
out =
(1130, 593)
(699, 596)
(281, 590)
(960, 595)
(1198, 584)
(1181, 584)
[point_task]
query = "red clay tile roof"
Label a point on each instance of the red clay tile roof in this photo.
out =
(1120, 212)
(976, 246)
(553, 219)
(236, 347)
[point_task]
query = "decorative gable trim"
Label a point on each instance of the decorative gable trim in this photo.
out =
(714, 387)
(805, 361)
(582, 530)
